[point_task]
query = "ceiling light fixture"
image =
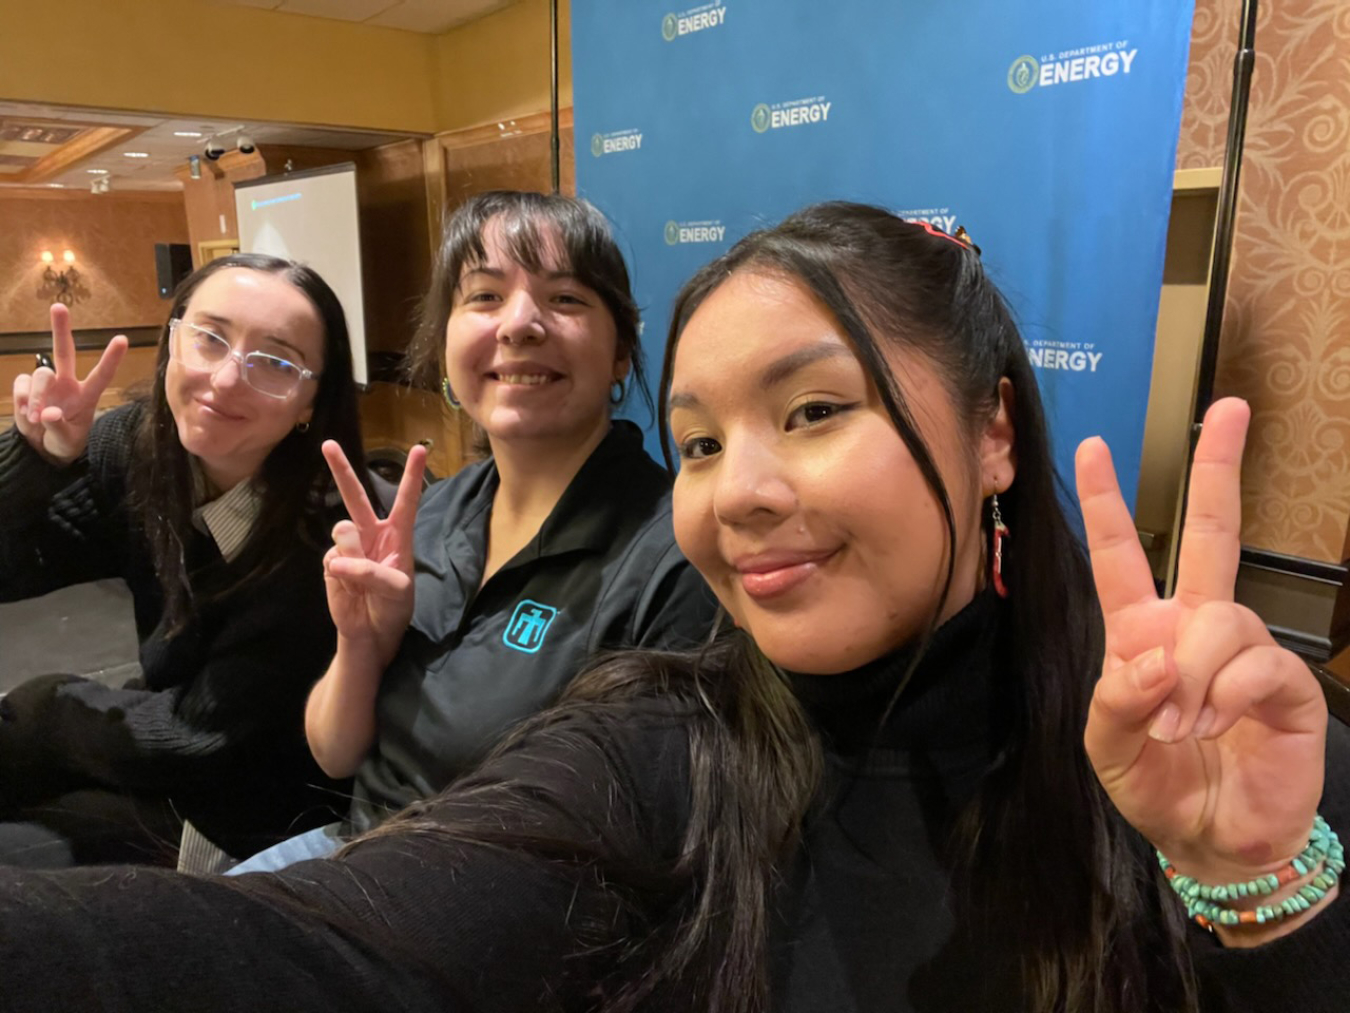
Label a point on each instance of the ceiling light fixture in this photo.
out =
(135, 154)
(187, 133)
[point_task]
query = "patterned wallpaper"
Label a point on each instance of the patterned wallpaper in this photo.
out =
(113, 238)
(1286, 336)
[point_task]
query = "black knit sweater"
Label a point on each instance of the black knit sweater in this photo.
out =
(421, 922)
(214, 726)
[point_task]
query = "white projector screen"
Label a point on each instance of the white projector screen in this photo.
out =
(311, 217)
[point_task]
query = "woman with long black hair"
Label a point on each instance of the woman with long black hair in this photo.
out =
(922, 770)
(210, 497)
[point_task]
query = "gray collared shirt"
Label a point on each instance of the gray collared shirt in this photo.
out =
(229, 517)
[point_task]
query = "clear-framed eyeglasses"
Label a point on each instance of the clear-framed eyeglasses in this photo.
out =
(197, 348)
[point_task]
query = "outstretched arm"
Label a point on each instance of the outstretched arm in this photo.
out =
(415, 920)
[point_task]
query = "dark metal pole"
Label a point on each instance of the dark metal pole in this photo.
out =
(1243, 63)
(553, 81)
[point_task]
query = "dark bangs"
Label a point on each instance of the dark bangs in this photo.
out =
(541, 232)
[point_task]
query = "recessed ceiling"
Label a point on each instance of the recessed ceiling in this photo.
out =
(34, 149)
(428, 16)
(48, 127)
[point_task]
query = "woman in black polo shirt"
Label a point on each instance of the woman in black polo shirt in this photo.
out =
(456, 624)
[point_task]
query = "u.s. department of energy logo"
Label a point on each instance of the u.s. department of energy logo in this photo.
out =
(794, 113)
(1072, 356)
(529, 623)
(710, 231)
(940, 217)
(1023, 73)
(1071, 66)
(616, 141)
(695, 19)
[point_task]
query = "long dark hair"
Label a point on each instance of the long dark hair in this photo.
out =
(294, 478)
(531, 224)
(1043, 861)
(1107, 942)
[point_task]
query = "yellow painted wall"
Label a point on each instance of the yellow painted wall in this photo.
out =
(190, 57)
(497, 67)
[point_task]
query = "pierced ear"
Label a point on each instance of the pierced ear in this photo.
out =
(998, 444)
(622, 367)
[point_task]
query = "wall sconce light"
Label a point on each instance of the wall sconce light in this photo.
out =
(61, 286)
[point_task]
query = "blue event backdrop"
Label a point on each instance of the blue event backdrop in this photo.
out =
(1048, 128)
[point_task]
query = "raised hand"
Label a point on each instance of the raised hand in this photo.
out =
(54, 409)
(1209, 737)
(369, 569)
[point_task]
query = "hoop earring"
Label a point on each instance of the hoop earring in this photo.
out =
(1000, 536)
(617, 399)
(302, 427)
(449, 395)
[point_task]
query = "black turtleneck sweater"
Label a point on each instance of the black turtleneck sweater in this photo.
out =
(865, 919)
(862, 915)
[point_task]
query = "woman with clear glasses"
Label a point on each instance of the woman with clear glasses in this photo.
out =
(210, 498)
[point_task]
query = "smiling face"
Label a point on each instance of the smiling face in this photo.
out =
(531, 357)
(797, 499)
(227, 425)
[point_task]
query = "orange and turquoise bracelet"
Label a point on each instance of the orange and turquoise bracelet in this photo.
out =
(1323, 858)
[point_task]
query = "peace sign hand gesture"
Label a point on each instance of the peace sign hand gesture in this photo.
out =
(369, 569)
(54, 409)
(1209, 738)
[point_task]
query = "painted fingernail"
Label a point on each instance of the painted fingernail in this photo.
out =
(1150, 669)
(1203, 723)
(1164, 727)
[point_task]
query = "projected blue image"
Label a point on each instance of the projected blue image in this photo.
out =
(254, 205)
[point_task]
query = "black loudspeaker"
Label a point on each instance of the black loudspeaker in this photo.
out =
(173, 263)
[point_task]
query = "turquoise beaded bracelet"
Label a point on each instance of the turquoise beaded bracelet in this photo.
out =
(1323, 856)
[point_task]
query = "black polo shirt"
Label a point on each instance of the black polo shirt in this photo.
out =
(602, 573)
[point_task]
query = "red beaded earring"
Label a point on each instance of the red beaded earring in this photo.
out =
(1000, 536)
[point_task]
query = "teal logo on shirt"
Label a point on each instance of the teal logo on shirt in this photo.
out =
(529, 622)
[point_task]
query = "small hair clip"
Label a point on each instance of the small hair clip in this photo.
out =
(961, 239)
(932, 230)
(964, 237)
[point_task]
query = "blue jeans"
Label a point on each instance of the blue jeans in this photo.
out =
(317, 843)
